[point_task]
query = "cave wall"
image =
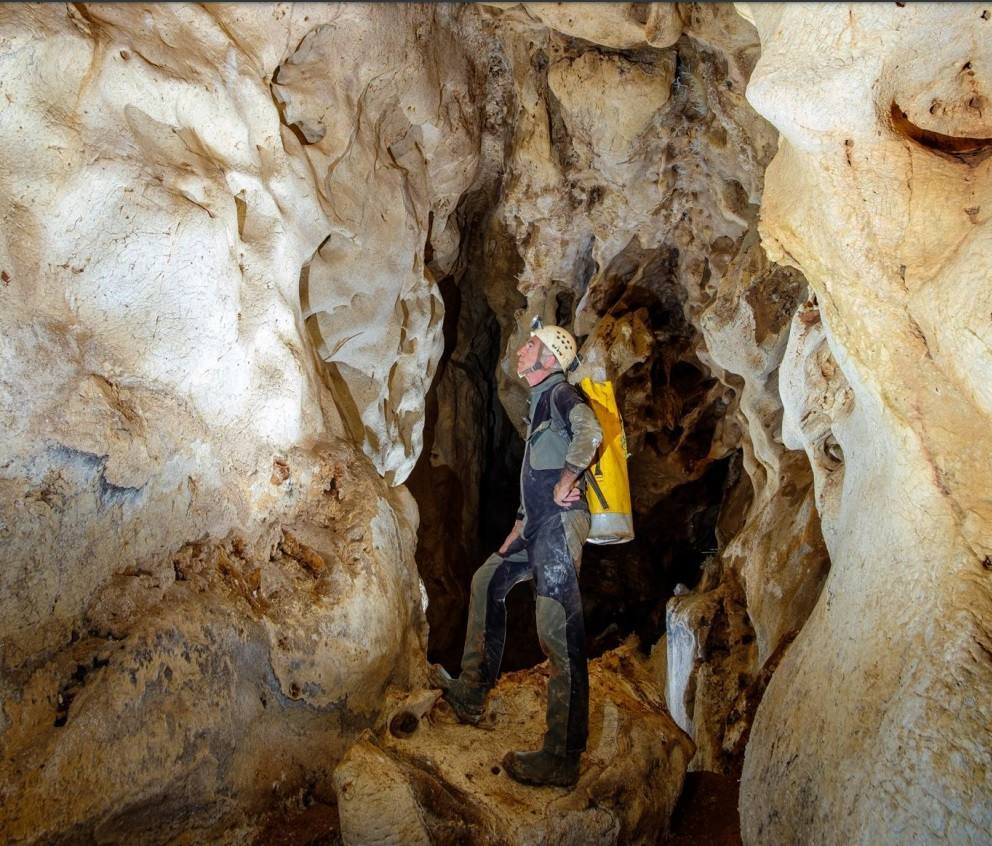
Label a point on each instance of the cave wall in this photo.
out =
(241, 242)
(207, 575)
(624, 230)
(391, 146)
(640, 234)
(875, 727)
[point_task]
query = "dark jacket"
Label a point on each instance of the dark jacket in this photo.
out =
(562, 432)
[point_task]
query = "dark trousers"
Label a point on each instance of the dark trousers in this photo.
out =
(550, 557)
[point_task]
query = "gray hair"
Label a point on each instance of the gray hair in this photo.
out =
(545, 352)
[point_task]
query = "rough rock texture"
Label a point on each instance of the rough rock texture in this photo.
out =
(875, 728)
(616, 25)
(778, 553)
(773, 556)
(223, 681)
(202, 584)
(391, 147)
(638, 231)
(239, 244)
(436, 781)
(219, 286)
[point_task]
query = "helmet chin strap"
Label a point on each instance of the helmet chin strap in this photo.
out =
(533, 368)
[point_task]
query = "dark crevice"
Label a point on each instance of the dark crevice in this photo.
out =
(72, 686)
(428, 246)
(963, 149)
(564, 308)
(280, 105)
(241, 207)
(625, 589)
(464, 482)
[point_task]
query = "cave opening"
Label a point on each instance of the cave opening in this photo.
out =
(466, 482)
(687, 469)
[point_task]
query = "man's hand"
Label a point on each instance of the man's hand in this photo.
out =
(566, 491)
(518, 527)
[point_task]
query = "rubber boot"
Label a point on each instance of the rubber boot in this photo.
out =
(466, 700)
(540, 768)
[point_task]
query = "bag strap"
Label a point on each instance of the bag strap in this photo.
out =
(591, 479)
(562, 425)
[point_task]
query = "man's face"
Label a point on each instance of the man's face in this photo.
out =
(528, 355)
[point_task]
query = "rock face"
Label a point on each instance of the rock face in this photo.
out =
(392, 148)
(638, 231)
(612, 227)
(875, 727)
(709, 644)
(203, 582)
(221, 315)
(437, 781)
(197, 689)
(242, 243)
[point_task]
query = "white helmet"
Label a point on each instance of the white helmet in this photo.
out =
(560, 342)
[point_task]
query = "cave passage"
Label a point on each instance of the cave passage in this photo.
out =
(689, 487)
(467, 479)
(265, 267)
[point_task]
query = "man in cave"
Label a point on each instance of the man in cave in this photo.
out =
(545, 546)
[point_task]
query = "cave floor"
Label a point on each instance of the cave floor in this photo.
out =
(706, 815)
(707, 812)
(317, 825)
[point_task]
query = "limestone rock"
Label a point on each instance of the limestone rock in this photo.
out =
(202, 583)
(587, 86)
(710, 662)
(877, 194)
(218, 684)
(644, 237)
(222, 259)
(778, 553)
(391, 148)
(617, 25)
(231, 234)
(773, 560)
(436, 780)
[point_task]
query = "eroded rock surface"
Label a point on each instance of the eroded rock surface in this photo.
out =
(202, 583)
(226, 680)
(239, 244)
(875, 727)
(642, 238)
(440, 781)
(219, 269)
(392, 147)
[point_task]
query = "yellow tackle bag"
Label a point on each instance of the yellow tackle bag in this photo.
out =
(607, 483)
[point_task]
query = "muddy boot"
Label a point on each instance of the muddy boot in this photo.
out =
(466, 700)
(543, 768)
